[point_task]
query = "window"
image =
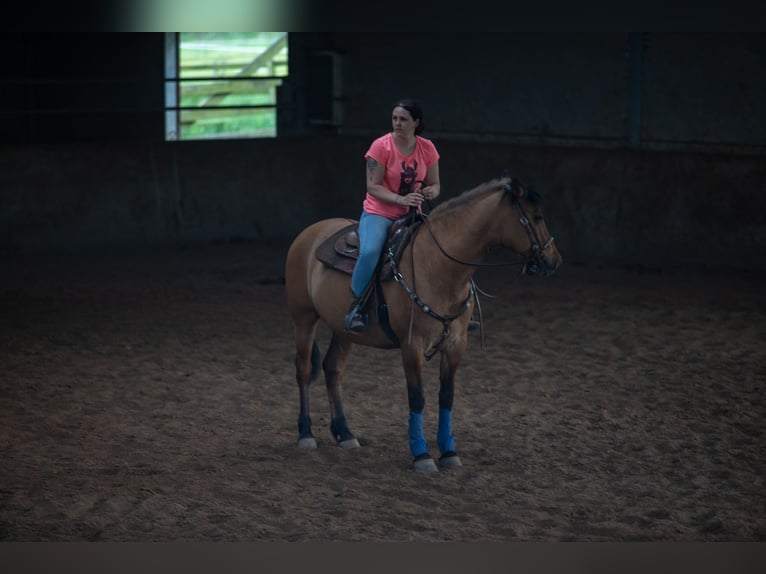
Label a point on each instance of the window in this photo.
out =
(223, 84)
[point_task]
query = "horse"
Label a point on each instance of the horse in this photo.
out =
(428, 304)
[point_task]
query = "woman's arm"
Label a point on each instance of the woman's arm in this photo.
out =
(432, 186)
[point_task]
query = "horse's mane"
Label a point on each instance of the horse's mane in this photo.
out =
(481, 190)
(470, 195)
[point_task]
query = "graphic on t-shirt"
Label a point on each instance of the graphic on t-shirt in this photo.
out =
(408, 175)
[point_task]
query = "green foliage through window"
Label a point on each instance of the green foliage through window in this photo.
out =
(226, 84)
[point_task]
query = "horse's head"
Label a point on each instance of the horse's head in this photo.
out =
(529, 235)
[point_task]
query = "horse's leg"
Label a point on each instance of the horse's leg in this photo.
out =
(334, 365)
(446, 441)
(306, 370)
(413, 367)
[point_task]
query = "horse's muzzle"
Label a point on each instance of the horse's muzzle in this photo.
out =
(550, 268)
(541, 266)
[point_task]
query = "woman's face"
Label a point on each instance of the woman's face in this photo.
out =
(402, 122)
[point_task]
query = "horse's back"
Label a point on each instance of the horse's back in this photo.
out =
(301, 263)
(304, 246)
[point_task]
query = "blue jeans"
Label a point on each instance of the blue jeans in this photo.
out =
(373, 233)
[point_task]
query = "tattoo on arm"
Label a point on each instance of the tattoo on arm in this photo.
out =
(371, 166)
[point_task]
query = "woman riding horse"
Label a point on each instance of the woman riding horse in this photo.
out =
(428, 304)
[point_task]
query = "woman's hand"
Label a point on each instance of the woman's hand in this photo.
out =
(413, 199)
(429, 192)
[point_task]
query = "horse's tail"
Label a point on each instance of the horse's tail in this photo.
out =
(316, 361)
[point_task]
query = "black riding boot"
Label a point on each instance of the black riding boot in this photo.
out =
(356, 321)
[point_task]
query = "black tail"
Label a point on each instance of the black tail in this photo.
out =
(316, 361)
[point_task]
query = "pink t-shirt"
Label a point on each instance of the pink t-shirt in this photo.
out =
(401, 172)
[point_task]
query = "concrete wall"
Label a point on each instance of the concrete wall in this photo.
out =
(646, 207)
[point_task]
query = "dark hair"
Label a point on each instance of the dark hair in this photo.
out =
(415, 111)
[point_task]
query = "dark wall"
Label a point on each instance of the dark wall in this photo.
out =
(646, 207)
(676, 176)
(68, 88)
(605, 89)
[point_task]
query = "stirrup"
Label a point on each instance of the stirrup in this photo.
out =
(356, 321)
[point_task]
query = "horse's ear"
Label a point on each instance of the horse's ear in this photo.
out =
(518, 189)
(515, 188)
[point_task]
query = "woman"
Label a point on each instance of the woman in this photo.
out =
(402, 171)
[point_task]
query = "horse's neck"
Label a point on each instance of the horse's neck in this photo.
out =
(453, 240)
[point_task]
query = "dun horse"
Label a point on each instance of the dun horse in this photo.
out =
(428, 305)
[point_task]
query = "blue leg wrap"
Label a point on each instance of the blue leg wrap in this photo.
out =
(418, 443)
(444, 437)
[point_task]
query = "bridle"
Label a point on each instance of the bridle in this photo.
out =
(530, 265)
(536, 250)
(534, 260)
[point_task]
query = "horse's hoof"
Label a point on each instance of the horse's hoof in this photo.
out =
(424, 465)
(350, 443)
(307, 442)
(450, 461)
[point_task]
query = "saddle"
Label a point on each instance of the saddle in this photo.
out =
(341, 250)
